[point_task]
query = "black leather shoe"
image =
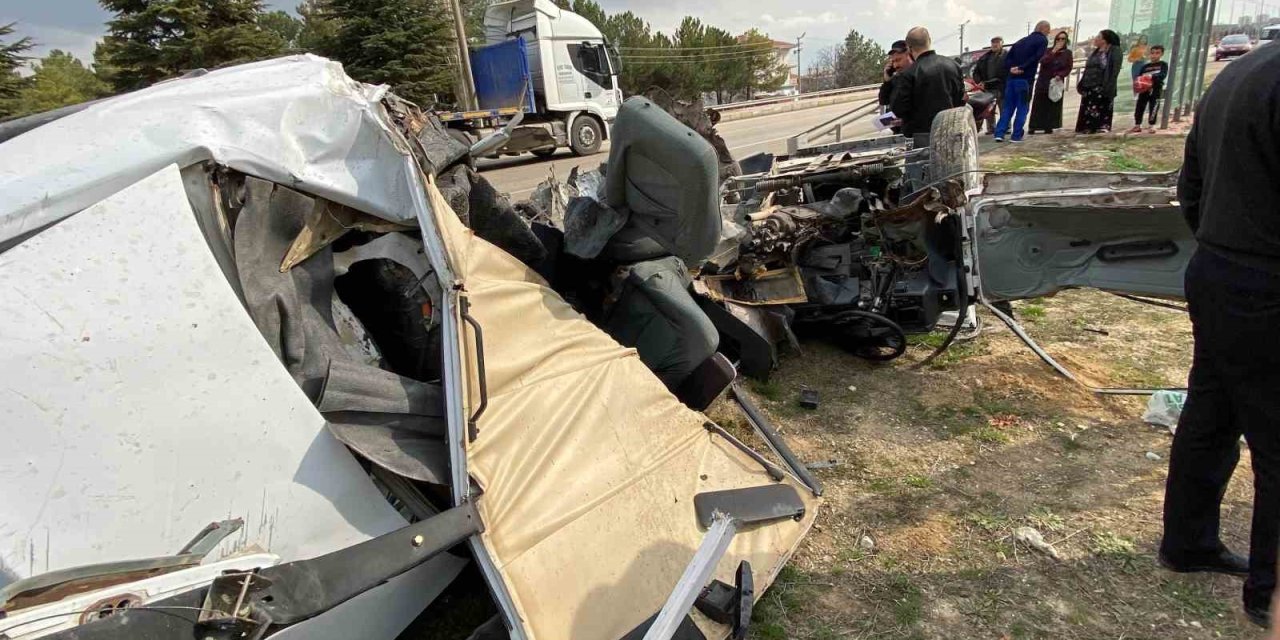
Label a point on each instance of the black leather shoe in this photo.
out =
(1260, 616)
(1222, 561)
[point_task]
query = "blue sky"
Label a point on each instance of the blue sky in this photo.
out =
(74, 25)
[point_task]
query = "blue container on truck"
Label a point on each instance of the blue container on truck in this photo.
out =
(501, 73)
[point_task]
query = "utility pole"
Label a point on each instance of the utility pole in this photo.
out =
(466, 83)
(1075, 23)
(799, 70)
(962, 25)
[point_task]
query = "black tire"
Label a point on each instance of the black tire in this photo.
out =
(953, 147)
(586, 136)
(464, 138)
(544, 153)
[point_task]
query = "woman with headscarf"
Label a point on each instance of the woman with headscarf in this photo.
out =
(1055, 66)
(1097, 84)
(1137, 57)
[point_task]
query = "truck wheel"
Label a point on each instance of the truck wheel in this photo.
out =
(464, 138)
(953, 147)
(586, 137)
(544, 153)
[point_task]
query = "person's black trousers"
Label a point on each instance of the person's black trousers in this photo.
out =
(1234, 390)
(1147, 101)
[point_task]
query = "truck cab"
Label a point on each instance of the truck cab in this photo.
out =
(551, 65)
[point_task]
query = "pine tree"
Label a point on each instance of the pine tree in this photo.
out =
(407, 44)
(150, 40)
(860, 61)
(11, 58)
(59, 80)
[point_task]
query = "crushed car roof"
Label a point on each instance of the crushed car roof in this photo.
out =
(299, 121)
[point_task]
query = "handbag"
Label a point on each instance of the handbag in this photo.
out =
(1057, 88)
(1143, 83)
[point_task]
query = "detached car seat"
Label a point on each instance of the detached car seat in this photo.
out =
(664, 178)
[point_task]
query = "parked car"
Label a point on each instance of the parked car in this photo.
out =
(1233, 46)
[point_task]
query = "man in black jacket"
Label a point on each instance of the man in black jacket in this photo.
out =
(990, 73)
(899, 60)
(1230, 195)
(932, 85)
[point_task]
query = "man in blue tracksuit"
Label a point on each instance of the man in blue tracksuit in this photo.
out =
(1020, 67)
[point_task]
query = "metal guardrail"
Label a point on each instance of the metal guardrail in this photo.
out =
(734, 106)
(833, 127)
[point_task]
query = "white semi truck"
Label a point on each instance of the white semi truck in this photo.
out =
(551, 68)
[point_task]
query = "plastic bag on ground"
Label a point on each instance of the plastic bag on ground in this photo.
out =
(1164, 408)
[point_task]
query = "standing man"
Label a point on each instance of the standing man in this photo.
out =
(899, 60)
(1228, 190)
(932, 85)
(1021, 64)
(989, 72)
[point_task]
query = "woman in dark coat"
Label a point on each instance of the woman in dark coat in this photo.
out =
(1097, 85)
(1046, 115)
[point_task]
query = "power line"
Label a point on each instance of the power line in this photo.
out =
(699, 57)
(725, 46)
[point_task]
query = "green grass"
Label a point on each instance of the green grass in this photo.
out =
(957, 352)
(1130, 372)
(1016, 163)
(970, 421)
(770, 390)
(1121, 161)
(916, 481)
(908, 600)
(1070, 443)
(1193, 599)
(1045, 520)
(771, 616)
(1031, 311)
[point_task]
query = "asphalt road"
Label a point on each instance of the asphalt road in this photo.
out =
(518, 175)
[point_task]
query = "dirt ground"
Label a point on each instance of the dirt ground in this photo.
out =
(938, 466)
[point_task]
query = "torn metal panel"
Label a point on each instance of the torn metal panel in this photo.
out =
(779, 286)
(327, 222)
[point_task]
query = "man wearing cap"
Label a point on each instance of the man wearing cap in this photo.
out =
(898, 60)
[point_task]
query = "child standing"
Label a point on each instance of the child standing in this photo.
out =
(1149, 97)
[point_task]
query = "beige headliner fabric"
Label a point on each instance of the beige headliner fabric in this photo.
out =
(589, 466)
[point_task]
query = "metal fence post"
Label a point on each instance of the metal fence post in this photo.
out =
(1175, 70)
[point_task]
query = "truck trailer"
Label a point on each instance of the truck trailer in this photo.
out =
(547, 69)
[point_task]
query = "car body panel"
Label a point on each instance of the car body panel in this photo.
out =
(1036, 234)
(142, 404)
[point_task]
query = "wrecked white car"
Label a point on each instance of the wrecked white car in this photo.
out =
(277, 364)
(867, 241)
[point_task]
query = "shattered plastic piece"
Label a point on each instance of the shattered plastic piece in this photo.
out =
(1033, 539)
(1164, 408)
(588, 225)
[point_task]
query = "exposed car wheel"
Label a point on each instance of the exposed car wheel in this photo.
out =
(953, 147)
(544, 153)
(586, 136)
(464, 138)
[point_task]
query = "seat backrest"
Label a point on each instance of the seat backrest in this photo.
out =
(666, 178)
